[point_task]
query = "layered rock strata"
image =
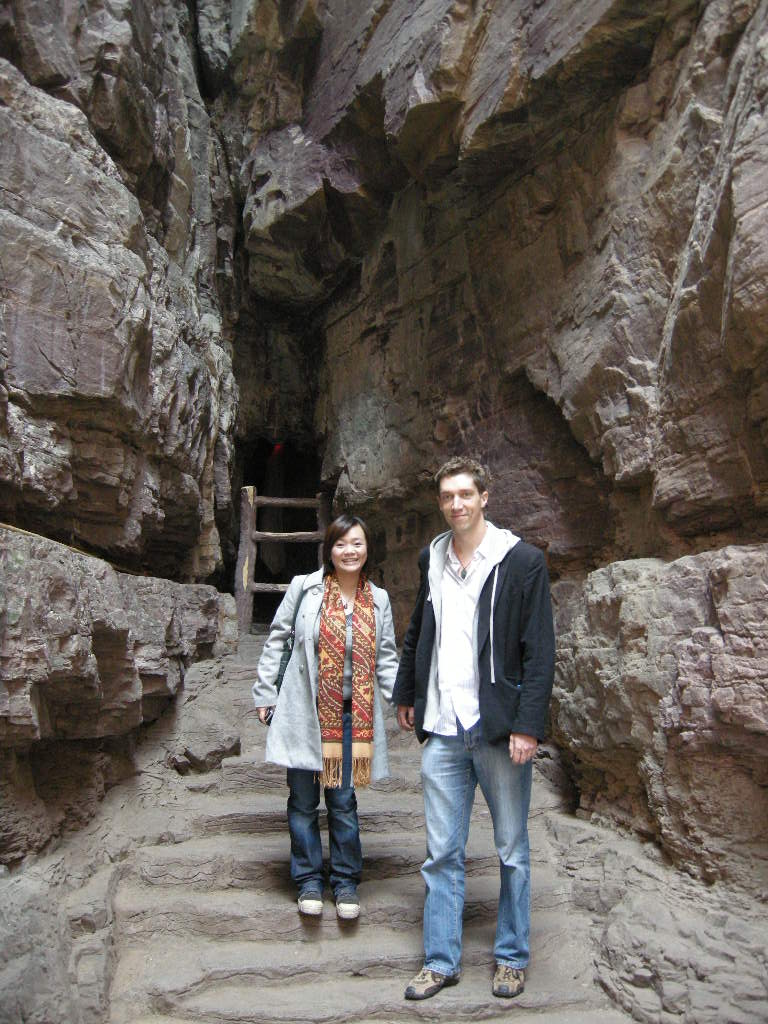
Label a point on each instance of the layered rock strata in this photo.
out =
(117, 398)
(87, 656)
(582, 322)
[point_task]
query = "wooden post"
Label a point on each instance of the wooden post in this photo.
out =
(323, 520)
(246, 560)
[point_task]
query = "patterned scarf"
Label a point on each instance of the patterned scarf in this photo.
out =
(330, 695)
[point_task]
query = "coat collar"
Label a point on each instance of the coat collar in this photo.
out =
(311, 604)
(438, 551)
(503, 541)
(313, 579)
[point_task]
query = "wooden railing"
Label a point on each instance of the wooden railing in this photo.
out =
(250, 536)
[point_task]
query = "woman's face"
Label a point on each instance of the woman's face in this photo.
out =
(350, 551)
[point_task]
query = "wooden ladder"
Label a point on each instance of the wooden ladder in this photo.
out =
(245, 586)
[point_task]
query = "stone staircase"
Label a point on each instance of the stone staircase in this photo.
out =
(205, 930)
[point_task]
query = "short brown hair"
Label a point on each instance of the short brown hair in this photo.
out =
(464, 464)
(340, 525)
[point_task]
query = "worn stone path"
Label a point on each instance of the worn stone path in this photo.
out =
(205, 927)
(173, 904)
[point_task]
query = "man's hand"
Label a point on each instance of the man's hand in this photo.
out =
(263, 713)
(522, 748)
(405, 717)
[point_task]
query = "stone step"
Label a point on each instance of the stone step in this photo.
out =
(155, 976)
(250, 772)
(403, 750)
(396, 818)
(254, 914)
(357, 999)
(603, 1015)
(162, 976)
(157, 966)
(379, 810)
(247, 862)
(250, 645)
(265, 812)
(569, 1015)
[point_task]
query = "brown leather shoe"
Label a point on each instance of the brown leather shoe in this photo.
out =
(428, 983)
(508, 981)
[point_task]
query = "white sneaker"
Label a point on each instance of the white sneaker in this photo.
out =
(311, 904)
(347, 906)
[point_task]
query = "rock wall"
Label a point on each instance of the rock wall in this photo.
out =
(562, 276)
(117, 398)
(662, 704)
(590, 304)
(87, 656)
(119, 316)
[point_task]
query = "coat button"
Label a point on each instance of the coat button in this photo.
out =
(301, 668)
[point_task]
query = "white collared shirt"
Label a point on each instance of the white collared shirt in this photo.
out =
(457, 676)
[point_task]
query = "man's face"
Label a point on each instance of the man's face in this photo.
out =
(461, 503)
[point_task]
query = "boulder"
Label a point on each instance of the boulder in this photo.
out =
(88, 655)
(661, 702)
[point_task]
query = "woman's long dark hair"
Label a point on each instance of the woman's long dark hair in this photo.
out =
(340, 525)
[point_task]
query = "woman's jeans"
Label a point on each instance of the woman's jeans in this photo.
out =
(346, 856)
(451, 768)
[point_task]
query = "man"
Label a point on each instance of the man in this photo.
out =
(474, 682)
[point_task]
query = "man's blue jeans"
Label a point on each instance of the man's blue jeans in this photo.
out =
(451, 768)
(346, 856)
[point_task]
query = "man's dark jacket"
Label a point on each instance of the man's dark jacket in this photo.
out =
(523, 648)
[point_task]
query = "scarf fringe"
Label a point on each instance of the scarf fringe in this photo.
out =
(331, 778)
(361, 771)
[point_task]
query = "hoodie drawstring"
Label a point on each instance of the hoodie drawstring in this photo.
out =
(493, 599)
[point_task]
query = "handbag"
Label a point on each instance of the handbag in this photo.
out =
(285, 657)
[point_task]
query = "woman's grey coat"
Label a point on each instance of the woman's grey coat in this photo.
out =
(294, 735)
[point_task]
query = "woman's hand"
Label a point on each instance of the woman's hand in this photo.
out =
(265, 714)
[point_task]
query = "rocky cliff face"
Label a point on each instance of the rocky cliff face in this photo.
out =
(393, 231)
(117, 386)
(541, 226)
(88, 656)
(117, 396)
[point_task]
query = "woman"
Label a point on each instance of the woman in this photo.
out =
(328, 725)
